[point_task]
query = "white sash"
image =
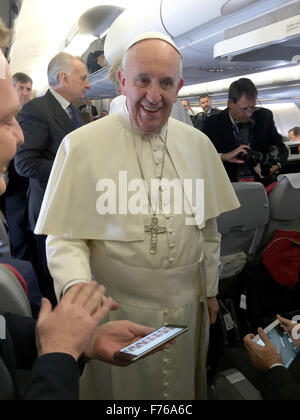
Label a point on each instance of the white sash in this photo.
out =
(148, 287)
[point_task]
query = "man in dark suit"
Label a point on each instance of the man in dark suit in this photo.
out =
(242, 127)
(205, 103)
(14, 199)
(278, 382)
(55, 347)
(23, 86)
(52, 346)
(45, 121)
(263, 365)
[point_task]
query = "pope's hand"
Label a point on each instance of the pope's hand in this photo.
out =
(213, 309)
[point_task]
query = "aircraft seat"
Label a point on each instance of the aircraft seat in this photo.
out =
(14, 299)
(231, 385)
(12, 295)
(242, 229)
(284, 203)
(4, 238)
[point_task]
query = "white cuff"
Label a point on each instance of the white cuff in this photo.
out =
(72, 283)
(275, 365)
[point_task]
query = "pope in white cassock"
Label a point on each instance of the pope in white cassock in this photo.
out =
(159, 262)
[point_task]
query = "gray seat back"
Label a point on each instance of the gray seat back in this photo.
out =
(231, 385)
(4, 238)
(242, 229)
(12, 296)
(284, 203)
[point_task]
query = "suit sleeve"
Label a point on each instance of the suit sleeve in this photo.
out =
(209, 128)
(198, 121)
(281, 385)
(276, 140)
(33, 159)
(22, 333)
(55, 376)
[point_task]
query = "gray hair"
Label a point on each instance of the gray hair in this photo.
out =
(5, 34)
(112, 72)
(62, 62)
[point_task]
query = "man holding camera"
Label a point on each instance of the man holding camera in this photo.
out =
(246, 137)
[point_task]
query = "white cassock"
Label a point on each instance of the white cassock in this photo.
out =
(168, 286)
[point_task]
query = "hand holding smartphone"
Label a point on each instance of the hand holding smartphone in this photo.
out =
(147, 344)
(281, 340)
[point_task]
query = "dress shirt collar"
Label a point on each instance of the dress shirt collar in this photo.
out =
(232, 120)
(61, 100)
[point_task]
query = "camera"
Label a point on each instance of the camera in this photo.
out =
(252, 157)
(270, 159)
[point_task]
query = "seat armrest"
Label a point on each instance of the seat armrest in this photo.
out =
(231, 384)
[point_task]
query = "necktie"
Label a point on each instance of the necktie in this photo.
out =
(238, 136)
(74, 116)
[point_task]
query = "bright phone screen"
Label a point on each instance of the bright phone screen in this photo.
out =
(151, 340)
(283, 343)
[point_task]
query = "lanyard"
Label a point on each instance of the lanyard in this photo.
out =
(242, 136)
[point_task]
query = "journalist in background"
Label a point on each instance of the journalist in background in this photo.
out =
(246, 138)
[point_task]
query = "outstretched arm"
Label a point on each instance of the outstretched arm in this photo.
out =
(112, 336)
(62, 335)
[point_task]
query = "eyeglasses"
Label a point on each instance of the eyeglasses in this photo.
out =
(247, 108)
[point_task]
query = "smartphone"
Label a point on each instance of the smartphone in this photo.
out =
(145, 345)
(281, 340)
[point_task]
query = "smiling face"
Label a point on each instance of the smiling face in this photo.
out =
(151, 81)
(10, 132)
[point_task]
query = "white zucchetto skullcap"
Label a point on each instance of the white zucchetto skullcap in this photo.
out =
(152, 35)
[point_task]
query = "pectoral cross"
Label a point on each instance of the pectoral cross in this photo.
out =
(155, 230)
